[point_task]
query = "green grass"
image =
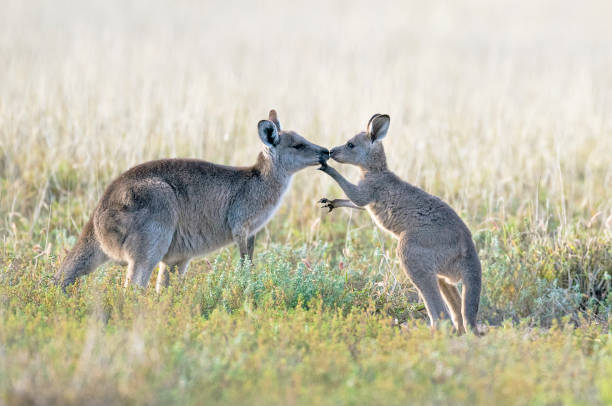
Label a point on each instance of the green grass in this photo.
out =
(161, 350)
(309, 324)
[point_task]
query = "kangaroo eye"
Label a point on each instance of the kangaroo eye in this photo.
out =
(299, 146)
(350, 145)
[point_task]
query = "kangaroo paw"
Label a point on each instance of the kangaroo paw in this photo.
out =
(327, 204)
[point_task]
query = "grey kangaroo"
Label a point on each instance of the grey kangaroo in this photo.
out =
(435, 246)
(172, 210)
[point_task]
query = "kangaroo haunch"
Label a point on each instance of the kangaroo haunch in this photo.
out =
(435, 246)
(172, 210)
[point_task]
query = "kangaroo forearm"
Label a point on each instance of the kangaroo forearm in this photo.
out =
(345, 203)
(352, 191)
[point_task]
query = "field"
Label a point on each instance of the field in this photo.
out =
(503, 110)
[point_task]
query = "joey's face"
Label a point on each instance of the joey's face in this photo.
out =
(290, 151)
(365, 148)
(355, 151)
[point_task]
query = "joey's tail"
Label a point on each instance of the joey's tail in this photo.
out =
(84, 258)
(471, 278)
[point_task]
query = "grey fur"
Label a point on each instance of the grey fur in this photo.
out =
(435, 246)
(172, 210)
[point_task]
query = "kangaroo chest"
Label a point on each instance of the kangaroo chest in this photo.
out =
(265, 205)
(385, 218)
(387, 210)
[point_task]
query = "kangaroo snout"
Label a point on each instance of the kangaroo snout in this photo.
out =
(336, 154)
(323, 156)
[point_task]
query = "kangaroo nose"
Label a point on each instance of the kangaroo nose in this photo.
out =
(332, 152)
(323, 156)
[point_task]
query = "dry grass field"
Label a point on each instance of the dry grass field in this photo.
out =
(503, 109)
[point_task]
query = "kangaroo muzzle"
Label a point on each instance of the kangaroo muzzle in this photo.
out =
(333, 153)
(323, 156)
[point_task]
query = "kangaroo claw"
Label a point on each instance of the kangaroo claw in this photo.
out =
(327, 204)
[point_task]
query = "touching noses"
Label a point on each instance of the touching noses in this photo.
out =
(323, 155)
(333, 152)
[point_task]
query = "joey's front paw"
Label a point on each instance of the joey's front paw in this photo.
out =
(326, 168)
(329, 204)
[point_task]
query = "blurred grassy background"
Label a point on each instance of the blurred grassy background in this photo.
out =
(500, 108)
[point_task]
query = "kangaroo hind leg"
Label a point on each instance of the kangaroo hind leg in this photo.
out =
(451, 296)
(144, 249)
(419, 268)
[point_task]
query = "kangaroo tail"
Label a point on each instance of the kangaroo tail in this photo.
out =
(471, 277)
(84, 258)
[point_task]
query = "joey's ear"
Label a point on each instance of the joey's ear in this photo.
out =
(370, 121)
(378, 127)
(274, 118)
(268, 133)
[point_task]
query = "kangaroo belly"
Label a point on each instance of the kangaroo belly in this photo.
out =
(199, 235)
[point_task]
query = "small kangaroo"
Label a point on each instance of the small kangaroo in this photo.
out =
(172, 210)
(435, 246)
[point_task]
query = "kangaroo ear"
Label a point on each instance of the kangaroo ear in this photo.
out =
(370, 121)
(268, 133)
(274, 118)
(378, 126)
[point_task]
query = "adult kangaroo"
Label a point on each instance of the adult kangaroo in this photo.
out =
(172, 210)
(435, 246)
